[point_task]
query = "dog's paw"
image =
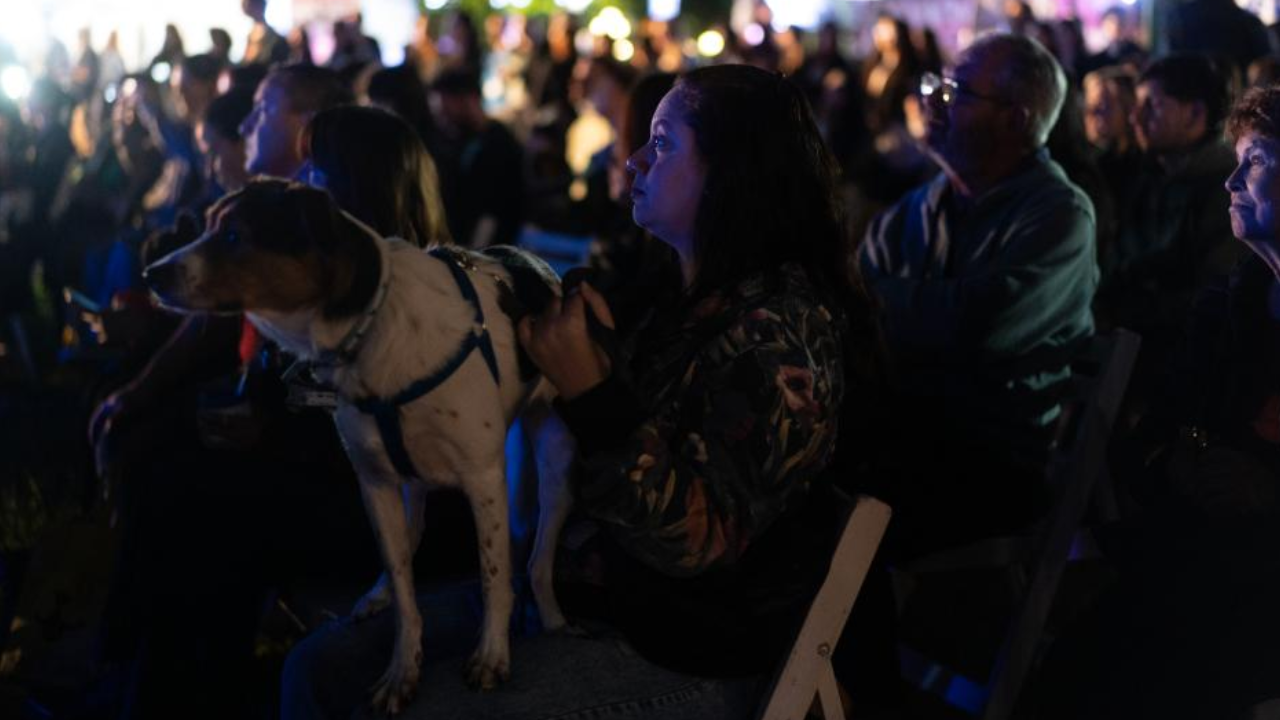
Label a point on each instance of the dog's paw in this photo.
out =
(487, 674)
(396, 688)
(375, 601)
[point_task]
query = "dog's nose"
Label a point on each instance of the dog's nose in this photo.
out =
(161, 276)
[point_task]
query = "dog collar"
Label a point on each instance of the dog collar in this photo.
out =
(350, 346)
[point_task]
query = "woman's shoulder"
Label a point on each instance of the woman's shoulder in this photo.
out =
(783, 311)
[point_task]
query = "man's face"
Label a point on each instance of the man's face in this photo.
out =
(271, 133)
(451, 111)
(1163, 123)
(968, 120)
(191, 96)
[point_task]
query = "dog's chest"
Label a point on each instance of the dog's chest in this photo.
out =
(453, 432)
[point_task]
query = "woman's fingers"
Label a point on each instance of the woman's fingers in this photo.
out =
(599, 306)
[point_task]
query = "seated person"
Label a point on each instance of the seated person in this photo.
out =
(986, 275)
(225, 496)
(1194, 608)
(703, 443)
(1173, 235)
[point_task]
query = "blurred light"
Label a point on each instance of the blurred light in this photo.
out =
(574, 6)
(520, 4)
(623, 50)
(584, 42)
(710, 43)
(611, 22)
(1130, 2)
(497, 4)
(664, 10)
(796, 13)
(160, 72)
(753, 34)
(436, 4)
(15, 82)
(279, 16)
(109, 93)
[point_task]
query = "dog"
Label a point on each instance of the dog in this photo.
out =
(422, 353)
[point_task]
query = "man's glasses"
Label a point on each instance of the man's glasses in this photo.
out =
(945, 90)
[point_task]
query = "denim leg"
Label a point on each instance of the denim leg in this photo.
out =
(557, 676)
(563, 676)
(334, 667)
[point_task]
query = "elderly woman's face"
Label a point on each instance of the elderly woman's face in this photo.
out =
(669, 176)
(1255, 188)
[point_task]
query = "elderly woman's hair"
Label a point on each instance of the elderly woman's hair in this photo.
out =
(771, 192)
(1258, 112)
(378, 170)
(1033, 79)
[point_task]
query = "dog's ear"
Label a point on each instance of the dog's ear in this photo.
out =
(347, 255)
(315, 216)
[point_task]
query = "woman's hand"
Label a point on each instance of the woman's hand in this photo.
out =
(561, 345)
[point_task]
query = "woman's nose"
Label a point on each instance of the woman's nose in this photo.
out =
(637, 163)
(1233, 183)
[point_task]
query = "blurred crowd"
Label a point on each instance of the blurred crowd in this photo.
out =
(516, 130)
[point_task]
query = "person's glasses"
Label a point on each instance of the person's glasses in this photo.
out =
(945, 90)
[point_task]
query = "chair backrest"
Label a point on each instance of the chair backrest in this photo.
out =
(806, 673)
(1073, 475)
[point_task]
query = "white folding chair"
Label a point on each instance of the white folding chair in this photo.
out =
(807, 675)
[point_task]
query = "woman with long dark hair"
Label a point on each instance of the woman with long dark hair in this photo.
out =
(376, 167)
(704, 437)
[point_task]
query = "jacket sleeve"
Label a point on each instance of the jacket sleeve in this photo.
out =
(689, 486)
(1042, 278)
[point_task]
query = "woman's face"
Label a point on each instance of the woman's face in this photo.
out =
(669, 177)
(224, 156)
(1106, 119)
(1255, 188)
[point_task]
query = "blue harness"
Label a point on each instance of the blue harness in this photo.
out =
(386, 411)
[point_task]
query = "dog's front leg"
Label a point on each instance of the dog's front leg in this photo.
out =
(383, 502)
(379, 596)
(491, 662)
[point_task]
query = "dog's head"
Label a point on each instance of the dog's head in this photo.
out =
(274, 246)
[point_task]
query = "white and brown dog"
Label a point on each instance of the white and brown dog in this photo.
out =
(422, 351)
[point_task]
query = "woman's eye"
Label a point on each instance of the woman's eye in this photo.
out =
(659, 143)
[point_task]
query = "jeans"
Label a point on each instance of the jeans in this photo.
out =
(593, 673)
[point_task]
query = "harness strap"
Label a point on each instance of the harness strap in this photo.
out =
(386, 411)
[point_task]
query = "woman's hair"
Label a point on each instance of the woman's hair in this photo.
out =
(771, 193)
(1258, 111)
(228, 111)
(378, 170)
(772, 197)
(642, 103)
